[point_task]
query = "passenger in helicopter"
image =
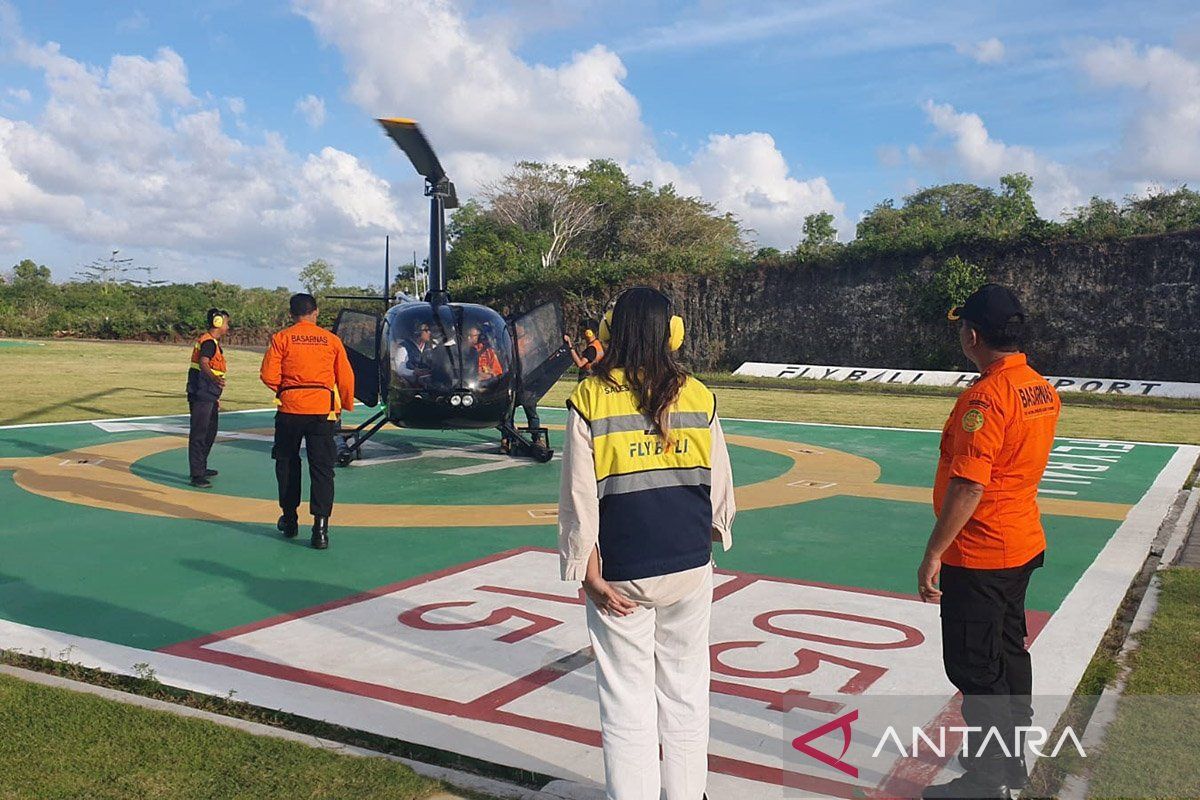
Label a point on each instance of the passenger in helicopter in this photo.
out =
(482, 355)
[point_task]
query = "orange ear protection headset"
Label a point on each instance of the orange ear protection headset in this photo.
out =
(675, 341)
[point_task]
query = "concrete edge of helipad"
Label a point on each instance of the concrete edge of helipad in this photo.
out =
(555, 790)
(1175, 530)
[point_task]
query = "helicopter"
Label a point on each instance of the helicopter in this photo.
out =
(436, 364)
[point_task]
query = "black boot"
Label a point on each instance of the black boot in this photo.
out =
(1016, 771)
(288, 526)
(320, 533)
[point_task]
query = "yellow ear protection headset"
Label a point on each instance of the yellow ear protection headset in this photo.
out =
(675, 340)
(216, 318)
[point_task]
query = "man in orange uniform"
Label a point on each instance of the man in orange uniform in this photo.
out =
(205, 382)
(988, 539)
(307, 368)
(487, 363)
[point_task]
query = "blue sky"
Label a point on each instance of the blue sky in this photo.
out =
(181, 135)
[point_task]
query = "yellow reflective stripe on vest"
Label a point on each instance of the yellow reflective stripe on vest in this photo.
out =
(220, 373)
(627, 457)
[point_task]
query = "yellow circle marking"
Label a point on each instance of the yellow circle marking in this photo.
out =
(100, 476)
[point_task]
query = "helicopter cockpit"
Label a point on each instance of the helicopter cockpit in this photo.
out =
(451, 362)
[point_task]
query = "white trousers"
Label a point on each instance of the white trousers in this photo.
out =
(652, 671)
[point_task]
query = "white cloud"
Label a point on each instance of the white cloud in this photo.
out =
(484, 107)
(747, 175)
(127, 155)
(21, 95)
(982, 158)
(312, 108)
(1161, 141)
(237, 105)
(988, 51)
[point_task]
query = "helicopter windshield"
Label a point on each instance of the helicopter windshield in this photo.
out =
(447, 347)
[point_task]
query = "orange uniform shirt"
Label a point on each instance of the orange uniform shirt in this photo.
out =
(487, 362)
(999, 435)
(307, 368)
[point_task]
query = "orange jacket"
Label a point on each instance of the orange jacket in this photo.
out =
(307, 368)
(487, 362)
(999, 435)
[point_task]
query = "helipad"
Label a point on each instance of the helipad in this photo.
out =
(437, 616)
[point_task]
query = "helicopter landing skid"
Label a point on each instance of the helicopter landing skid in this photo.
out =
(350, 441)
(514, 442)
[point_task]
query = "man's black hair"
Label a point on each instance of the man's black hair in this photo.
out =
(302, 304)
(1007, 338)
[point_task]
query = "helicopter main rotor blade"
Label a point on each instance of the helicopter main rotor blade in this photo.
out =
(407, 134)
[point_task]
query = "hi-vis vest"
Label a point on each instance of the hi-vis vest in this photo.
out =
(655, 503)
(216, 363)
(198, 386)
(596, 343)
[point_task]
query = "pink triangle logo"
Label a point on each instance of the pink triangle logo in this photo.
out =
(843, 723)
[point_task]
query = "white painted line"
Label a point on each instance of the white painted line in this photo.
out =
(121, 419)
(813, 484)
(508, 462)
(176, 430)
(555, 408)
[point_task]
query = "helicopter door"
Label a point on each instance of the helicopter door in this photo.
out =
(360, 333)
(542, 356)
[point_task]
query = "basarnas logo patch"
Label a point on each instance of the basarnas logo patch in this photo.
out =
(972, 420)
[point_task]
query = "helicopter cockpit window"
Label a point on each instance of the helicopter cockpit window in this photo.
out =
(448, 347)
(486, 349)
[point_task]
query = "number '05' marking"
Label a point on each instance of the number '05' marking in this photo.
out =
(807, 662)
(415, 618)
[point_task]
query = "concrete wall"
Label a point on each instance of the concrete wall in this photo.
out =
(1128, 309)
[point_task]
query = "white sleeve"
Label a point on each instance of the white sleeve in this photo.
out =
(724, 507)
(400, 361)
(578, 500)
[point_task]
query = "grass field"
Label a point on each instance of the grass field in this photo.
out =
(81, 380)
(61, 744)
(1150, 750)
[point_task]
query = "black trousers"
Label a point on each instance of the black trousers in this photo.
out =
(983, 649)
(316, 431)
(531, 414)
(202, 432)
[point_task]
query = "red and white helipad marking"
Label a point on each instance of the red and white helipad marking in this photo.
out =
(500, 646)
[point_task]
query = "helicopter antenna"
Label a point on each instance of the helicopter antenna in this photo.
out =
(387, 266)
(438, 188)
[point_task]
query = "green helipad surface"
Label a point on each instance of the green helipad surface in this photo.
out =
(103, 539)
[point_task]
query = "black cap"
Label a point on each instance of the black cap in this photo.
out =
(990, 306)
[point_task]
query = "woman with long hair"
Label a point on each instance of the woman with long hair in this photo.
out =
(646, 489)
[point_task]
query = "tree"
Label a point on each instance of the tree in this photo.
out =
(1013, 212)
(28, 272)
(819, 235)
(317, 277)
(1101, 218)
(543, 198)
